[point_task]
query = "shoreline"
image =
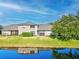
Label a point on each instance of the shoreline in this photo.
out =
(47, 47)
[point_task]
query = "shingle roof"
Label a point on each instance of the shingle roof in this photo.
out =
(44, 27)
(10, 27)
(15, 26)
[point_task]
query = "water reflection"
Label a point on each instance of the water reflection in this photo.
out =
(67, 54)
(43, 54)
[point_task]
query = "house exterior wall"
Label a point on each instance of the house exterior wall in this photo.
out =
(47, 33)
(14, 32)
(23, 29)
(27, 29)
(36, 29)
(6, 32)
(44, 32)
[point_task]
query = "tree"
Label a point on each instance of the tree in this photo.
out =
(67, 27)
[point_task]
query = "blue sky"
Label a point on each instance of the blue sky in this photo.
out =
(37, 11)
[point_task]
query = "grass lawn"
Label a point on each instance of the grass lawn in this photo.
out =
(17, 41)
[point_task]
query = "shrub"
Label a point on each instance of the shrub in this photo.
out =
(53, 36)
(27, 34)
(77, 37)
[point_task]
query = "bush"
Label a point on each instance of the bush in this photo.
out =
(27, 34)
(77, 37)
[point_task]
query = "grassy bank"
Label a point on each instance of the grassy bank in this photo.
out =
(16, 41)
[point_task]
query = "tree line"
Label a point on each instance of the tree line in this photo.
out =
(67, 27)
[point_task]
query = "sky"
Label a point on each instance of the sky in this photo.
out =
(37, 11)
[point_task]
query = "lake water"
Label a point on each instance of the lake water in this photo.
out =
(43, 54)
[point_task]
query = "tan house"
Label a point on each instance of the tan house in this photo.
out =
(36, 29)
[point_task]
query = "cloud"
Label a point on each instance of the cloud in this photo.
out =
(25, 9)
(73, 9)
(1, 14)
(75, 0)
(11, 6)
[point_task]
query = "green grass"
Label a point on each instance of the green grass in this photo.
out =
(17, 41)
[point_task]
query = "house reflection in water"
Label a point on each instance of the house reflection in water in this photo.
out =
(28, 50)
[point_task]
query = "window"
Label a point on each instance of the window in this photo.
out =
(42, 34)
(32, 26)
(32, 51)
(38, 26)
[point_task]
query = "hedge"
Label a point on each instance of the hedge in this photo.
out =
(27, 34)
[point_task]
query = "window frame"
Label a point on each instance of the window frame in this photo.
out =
(32, 26)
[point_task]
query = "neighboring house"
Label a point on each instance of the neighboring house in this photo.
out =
(36, 29)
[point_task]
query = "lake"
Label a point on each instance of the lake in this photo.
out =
(43, 54)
